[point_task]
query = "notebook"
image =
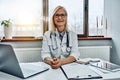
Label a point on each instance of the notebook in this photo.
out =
(9, 64)
(75, 71)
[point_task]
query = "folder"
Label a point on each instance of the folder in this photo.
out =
(75, 71)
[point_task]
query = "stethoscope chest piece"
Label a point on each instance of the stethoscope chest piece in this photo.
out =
(68, 49)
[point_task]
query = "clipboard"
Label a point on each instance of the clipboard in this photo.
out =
(75, 71)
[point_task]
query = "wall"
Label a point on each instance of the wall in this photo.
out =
(112, 13)
(30, 51)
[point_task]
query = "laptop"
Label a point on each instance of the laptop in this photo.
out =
(9, 64)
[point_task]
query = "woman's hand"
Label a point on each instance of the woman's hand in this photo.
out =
(56, 63)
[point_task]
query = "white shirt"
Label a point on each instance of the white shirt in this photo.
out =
(53, 47)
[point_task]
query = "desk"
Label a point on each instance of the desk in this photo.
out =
(106, 76)
(51, 74)
(57, 74)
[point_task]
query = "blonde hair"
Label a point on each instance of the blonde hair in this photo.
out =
(52, 21)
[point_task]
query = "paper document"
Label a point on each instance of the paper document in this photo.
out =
(87, 60)
(78, 71)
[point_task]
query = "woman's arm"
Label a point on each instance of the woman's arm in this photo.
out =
(67, 60)
(48, 60)
(56, 63)
(45, 48)
(74, 42)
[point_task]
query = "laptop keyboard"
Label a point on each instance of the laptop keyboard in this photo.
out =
(29, 69)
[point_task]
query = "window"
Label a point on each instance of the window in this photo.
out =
(32, 17)
(96, 15)
(26, 16)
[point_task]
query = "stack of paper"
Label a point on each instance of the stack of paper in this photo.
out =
(87, 60)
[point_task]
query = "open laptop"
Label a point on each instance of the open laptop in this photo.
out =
(9, 64)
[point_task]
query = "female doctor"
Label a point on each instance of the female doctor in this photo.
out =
(60, 45)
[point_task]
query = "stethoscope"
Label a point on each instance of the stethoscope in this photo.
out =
(55, 46)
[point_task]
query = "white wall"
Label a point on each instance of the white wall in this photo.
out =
(30, 51)
(112, 12)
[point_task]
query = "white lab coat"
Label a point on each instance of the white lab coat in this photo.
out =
(54, 45)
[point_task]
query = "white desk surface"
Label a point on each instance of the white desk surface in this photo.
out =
(57, 74)
(106, 75)
(51, 74)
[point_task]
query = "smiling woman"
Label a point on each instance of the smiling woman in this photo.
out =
(60, 45)
(60, 19)
(75, 13)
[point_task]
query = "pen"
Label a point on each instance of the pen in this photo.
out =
(64, 72)
(94, 77)
(54, 59)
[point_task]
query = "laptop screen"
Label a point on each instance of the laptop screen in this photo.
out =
(9, 62)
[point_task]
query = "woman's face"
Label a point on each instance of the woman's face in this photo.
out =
(60, 20)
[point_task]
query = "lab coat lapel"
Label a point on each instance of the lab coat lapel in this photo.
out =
(70, 38)
(58, 39)
(64, 38)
